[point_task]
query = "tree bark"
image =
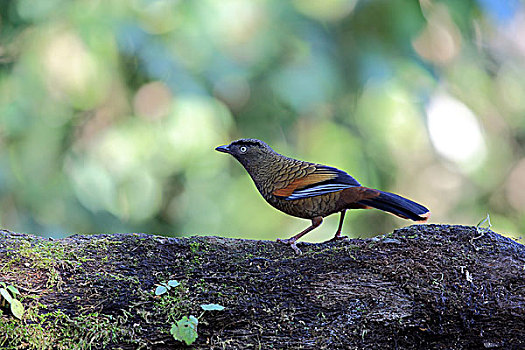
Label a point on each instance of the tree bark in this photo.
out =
(420, 287)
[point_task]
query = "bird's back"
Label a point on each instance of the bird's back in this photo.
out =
(301, 188)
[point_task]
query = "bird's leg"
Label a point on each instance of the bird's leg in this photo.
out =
(338, 232)
(291, 241)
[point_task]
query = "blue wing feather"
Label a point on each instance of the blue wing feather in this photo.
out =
(339, 183)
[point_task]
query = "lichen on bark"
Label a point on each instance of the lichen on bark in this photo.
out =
(423, 286)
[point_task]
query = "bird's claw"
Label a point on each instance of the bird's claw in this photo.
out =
(292, 243)
(338, 237)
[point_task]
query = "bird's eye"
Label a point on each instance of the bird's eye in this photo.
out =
(243, 149)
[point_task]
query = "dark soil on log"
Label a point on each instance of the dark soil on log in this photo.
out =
(421, 287)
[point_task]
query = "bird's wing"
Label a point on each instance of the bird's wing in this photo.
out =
(322, 180)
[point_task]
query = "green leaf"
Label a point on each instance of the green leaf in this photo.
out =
(185, 329)
(13, 290)
(17, 308)
(212, 307)
(160, 290)
(6, 295)
(173, 283)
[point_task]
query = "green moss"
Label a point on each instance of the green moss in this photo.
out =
(194, 247)
(42, 254)
(14, 333)
(56, 330)
(108, 276)
(172, 305)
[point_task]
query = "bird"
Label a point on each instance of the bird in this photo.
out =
(313, 191)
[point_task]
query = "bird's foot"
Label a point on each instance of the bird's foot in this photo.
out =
(292, 243)
(338, 237)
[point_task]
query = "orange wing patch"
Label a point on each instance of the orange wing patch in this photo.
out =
(302, 182)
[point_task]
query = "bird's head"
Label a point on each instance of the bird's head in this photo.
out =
(249, 152)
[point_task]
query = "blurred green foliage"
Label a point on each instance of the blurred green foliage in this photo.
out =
(110, 110)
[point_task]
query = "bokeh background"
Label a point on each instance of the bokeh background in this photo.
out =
(110, 110)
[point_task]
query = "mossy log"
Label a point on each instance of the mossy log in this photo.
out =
(420, 287)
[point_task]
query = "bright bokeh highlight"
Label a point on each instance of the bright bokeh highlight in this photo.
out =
(110, 111)
(455, 132)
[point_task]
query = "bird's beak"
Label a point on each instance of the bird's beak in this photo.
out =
(224, 149)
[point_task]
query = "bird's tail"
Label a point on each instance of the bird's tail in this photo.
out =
(398, 206)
